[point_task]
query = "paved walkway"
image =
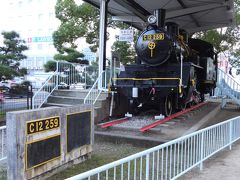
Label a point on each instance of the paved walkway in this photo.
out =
(225, 165)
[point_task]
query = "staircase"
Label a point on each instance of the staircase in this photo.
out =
(65, 98)
(228, 88)
(71, 75)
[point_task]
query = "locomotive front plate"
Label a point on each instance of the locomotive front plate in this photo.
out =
(156, 37)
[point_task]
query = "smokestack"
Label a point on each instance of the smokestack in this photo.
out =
(160, 15)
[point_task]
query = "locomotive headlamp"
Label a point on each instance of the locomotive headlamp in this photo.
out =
(152, 19)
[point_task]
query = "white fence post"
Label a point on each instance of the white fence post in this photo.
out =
(230, 134)
(57, 69)
(209, 141)
(147, 167)
(201, 151)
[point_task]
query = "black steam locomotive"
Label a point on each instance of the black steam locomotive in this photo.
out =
(171, 72)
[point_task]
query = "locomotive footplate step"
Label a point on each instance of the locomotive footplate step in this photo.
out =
(128, 131)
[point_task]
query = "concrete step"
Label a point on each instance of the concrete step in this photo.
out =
(66, 98)
(70, 100)
(98, 115)
(55, 104)
(77, 93)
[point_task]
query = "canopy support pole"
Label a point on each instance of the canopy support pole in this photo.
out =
(102, 40)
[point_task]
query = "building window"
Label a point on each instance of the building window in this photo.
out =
(19, 4)
(40, 16)
(40, 62)
(39, 31)
(11, 4)
(29, 32)
(29, 46)
(48, 58)
(19, 19)
(29, 18)
(50, 46)
(50, 30)
(40, 46)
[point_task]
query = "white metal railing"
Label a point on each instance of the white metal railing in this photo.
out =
(73, 75)
(96, 91)
(67, 75)
(76, 75)
(40, 97)
(172, 159)
(229, 80)
(3, 152)
(228, 86)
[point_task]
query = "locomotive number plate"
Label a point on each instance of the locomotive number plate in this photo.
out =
(157, 37)
(43, 125)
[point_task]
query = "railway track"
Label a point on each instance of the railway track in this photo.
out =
(157, 122)
(146, 128)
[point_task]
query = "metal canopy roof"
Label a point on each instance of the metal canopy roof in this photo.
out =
(191, 15)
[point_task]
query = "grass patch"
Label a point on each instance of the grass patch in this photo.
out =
(99, 158)
(2, 116)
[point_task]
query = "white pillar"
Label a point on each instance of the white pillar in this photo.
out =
(102, 39)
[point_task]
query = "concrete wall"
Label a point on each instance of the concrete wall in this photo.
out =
(18, 139)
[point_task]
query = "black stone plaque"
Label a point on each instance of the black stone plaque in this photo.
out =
(42, 151)
(78, 130)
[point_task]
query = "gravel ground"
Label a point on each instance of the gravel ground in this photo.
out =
(161, 133)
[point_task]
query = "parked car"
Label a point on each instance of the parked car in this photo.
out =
(16, 91)
(5, 91)
(63, 85)
(1, 97)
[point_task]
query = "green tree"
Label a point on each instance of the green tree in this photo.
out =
(22, 71)
(83, 21)
(71, 55)
(11, 53)
(126, 50)
(7, 72)
(12, 50)
(223, 39)
(77, 21)
(235, 54)
(50, 66)
(226, 40)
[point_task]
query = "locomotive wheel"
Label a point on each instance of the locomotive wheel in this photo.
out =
(168, 105)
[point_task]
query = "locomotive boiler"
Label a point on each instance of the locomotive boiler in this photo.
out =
(172, 71)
